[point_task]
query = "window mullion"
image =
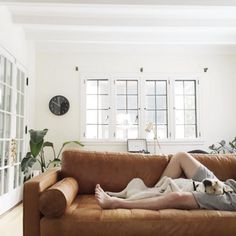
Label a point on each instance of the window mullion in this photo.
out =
(171, 109)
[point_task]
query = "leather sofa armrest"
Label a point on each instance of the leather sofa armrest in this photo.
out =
(54, 201)
(31, 194)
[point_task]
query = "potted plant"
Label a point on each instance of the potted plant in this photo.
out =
(36, 153)
(223, 147)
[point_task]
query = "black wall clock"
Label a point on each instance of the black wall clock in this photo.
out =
(59, 105)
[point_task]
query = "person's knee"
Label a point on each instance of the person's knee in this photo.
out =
(181, 156)
(182, 200)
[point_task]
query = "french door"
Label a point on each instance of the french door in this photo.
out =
(12, 119)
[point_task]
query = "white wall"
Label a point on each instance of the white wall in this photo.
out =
(12, 39)
(56, 75)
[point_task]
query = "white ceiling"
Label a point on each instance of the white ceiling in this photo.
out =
(146, 24)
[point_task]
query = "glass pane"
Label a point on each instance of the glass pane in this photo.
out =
(161, 117)
(179, 87)
(133, 131)
(103, 132)
(6, 180)
(179, 102)
(190, 117)
(189, 102)
(8, 72)
(103, 116)
(1, 155)
(8, 99)
(120, 87)
(1, 183)
(161, 87)
(91, 116)
(91, 102)
(179, 131)
(132, 102)
(121, 102)
(150, 102)
(6, 155)
(150, 116)
(161, 102)
(150, 87)
(22, 105)
(103, 102)
(1, 124)
(121, 132)
(17, 127)
(21, 150)
(22, 82)
(133, 117)
(103, 87)
(18, 79)
(2, 95)
(15, 176)
(91, 131)
(189, 87)
(7, 126)
(2, 66)
(132, 87)
(190, 131)
(18, 104)
(20, 177)
(21, 128)
(91, 87)
(179, 117)
(122, 118)
(162, 131)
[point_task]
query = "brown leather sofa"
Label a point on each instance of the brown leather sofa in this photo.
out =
(84, 217)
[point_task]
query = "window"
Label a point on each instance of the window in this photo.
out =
(126, 109)
(97, 109)
(12, 119)
(121, 108)
(185, 109)
(156, 107)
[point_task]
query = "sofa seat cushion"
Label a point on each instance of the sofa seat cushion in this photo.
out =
(85, 217)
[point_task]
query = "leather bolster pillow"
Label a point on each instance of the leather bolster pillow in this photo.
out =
(54, 201)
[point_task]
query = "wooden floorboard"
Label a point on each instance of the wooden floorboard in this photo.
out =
(11, 222)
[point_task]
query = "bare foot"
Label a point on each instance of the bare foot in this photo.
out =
(104, 200)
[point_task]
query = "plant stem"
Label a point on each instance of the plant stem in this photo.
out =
(60, 151)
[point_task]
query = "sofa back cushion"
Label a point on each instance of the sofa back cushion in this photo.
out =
(112, 170)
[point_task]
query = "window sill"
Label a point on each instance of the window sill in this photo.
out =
(149, 142)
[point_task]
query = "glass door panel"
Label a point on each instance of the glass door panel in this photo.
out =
(12, 120)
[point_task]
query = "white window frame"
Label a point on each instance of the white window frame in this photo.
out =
(170, 140)
(14, 194)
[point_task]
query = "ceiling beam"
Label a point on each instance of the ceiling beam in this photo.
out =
(134, 2)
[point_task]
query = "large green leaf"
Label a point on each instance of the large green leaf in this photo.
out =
(36, 140)
(27, 162)
(48, 144)
(36, 148)
(36, 136)
(76, 142)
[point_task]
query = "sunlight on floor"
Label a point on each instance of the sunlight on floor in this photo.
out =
(11, 222)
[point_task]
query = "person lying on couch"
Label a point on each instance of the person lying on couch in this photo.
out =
(193, 169)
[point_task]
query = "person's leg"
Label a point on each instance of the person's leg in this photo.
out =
(173, 200)
(181, 162)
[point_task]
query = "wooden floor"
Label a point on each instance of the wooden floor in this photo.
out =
(11, 222)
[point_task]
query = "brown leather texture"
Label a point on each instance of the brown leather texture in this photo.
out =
(86, 218)
(112, 170)
(54, 201)
(31, 193)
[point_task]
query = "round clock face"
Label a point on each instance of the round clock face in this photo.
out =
(59, 105)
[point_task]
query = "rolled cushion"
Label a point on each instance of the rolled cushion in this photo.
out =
(54, 201)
